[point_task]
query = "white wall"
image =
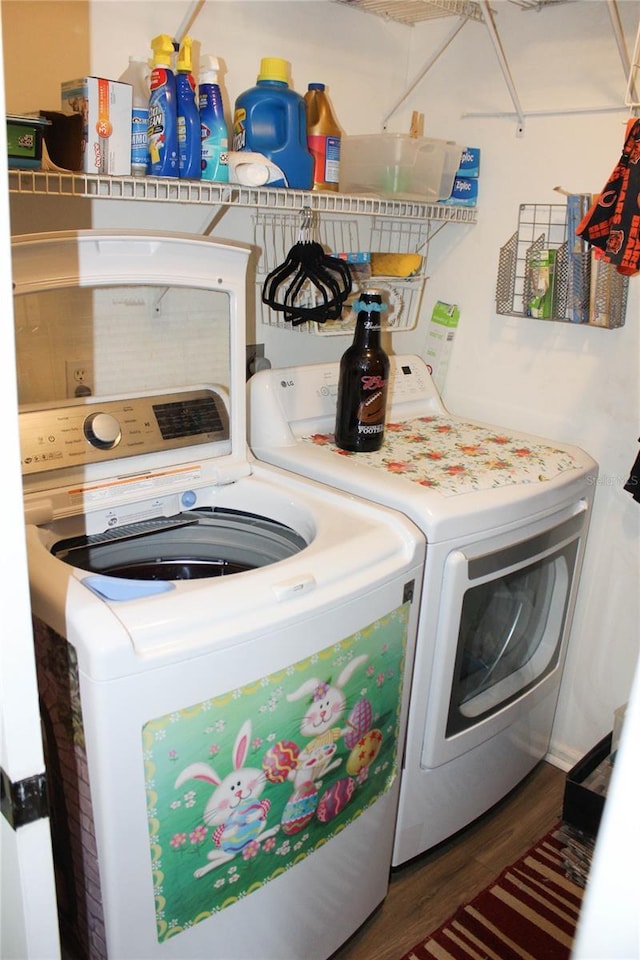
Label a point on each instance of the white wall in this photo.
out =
(560, 380)
(566, 382)
(28, 917)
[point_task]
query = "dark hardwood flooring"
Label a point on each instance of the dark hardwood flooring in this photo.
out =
(424, 892)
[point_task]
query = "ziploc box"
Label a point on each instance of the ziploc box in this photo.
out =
(469, 163)
(105, 106)
(464, 192)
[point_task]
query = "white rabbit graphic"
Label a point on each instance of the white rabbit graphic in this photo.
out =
(319, 722)
(234, 806)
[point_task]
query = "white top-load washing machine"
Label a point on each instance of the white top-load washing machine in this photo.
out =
(505, 517)
(224, 649)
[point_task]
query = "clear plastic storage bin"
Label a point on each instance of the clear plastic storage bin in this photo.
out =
(398, 166)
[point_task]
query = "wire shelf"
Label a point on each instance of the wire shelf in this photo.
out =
(275, 233)
(347, 223)
(172, 190)
(417, 11)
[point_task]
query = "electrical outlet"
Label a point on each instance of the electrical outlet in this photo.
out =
(79, 378)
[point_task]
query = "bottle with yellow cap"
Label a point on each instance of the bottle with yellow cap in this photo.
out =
(270, 119)
(188, 115)
(162, 136)
(323, 138)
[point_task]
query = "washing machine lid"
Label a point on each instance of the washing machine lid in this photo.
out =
(162, 315)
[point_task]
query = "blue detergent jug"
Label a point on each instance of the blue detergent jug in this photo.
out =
(270, 119)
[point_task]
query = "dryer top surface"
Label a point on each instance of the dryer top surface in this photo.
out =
(451, 476)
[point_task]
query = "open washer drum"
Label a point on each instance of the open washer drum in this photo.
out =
(223, 649)
(505, 516)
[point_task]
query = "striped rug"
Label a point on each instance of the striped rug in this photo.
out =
(528, 913)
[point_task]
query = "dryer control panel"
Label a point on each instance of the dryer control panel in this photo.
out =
(306, 396)
(93, 430)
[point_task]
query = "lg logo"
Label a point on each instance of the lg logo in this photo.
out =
(286, 383)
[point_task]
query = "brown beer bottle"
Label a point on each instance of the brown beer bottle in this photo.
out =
(362, 383)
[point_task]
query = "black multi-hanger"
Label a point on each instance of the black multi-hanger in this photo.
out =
(309, 285)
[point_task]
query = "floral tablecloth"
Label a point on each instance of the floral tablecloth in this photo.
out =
(454, 457)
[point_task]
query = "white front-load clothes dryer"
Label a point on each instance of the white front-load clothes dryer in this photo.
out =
(224, 649)
(505, 516)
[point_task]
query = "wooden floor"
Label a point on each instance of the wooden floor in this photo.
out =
(426, 891)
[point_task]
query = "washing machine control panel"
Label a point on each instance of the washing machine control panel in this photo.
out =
(91, 430)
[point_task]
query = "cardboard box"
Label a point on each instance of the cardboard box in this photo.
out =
(442, 328)
(105, 106)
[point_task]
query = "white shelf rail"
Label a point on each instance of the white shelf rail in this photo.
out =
(168, 190)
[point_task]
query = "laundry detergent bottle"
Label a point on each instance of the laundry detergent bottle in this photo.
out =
(188, 115)
(270, 119)
(162, 132)
(323, 138)
(137, 75)
(214, 136)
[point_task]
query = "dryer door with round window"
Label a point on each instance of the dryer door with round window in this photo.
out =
(507, 609)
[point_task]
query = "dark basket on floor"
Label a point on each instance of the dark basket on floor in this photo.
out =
(582, 806)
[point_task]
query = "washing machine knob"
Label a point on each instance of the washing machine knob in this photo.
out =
(102, 431)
